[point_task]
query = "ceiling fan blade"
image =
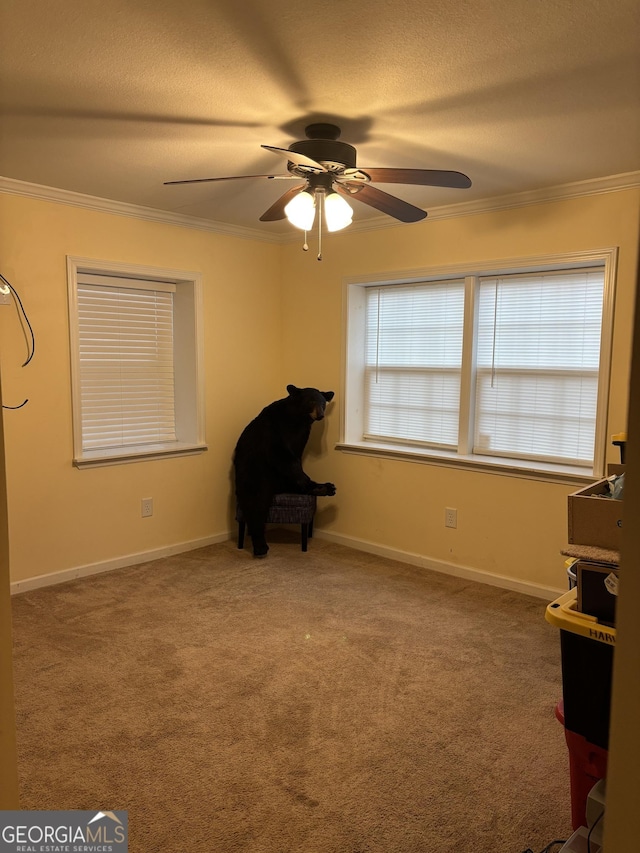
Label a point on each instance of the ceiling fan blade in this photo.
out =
(232, 178)
(276, 211)
(420, 177)
(374, 197)
(298, 159)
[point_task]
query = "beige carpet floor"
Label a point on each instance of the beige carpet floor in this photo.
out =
(327, 702)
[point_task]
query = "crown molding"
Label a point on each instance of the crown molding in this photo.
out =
(561, 192)
(11, 186)
(576, 189)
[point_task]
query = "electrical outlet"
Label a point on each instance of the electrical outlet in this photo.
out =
(147, 507)
(5, 295)
(450, 517)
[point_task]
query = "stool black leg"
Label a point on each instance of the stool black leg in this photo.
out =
(240, 535)
(303, 536)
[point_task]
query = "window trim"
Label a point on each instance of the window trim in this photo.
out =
(188, 288)
(354, 291)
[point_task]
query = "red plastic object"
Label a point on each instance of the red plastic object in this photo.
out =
(587, 765)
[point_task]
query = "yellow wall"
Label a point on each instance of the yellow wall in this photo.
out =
(510, 527)
(273, 315)
(61, 517)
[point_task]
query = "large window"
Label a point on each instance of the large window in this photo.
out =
(136, 362)
(506, 367)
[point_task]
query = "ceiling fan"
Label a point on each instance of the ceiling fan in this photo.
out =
(328, 168)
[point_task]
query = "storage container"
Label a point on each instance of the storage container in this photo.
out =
(587, 765)
(586, 649)
(580, 843)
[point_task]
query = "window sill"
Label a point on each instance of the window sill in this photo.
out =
(523, 469)
(124, 456)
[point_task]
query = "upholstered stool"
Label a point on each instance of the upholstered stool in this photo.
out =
(286, 509)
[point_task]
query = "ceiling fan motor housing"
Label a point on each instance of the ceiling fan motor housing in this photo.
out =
(331, 153)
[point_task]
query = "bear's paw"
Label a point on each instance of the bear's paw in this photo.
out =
(324, 489)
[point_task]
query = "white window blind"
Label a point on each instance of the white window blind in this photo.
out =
(413, 343)
(538, 355)
(126, 361)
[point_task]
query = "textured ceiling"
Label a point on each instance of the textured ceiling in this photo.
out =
(113, 97)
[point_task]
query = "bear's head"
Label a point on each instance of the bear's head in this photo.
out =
(309, 401)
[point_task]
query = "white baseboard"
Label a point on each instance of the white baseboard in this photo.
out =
(525, 587)
(109, 565)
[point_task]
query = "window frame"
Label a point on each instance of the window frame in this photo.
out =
(189, 393)
(352, 412)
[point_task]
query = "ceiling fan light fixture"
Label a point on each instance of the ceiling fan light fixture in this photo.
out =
(338, 212)
(301, 210)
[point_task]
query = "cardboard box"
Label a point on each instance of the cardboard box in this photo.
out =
(595, 519)
(612, 468)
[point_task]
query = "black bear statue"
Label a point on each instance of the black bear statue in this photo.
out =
(268, 457)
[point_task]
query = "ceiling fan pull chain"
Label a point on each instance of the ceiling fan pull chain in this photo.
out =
(320, 202)
(305, 245)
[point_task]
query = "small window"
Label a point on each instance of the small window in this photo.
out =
(487, 367)
(136, 363)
